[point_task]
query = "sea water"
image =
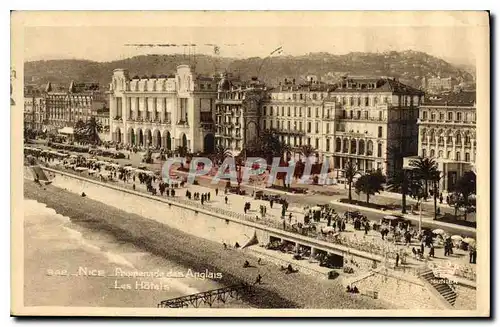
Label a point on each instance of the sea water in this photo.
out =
(66, 264)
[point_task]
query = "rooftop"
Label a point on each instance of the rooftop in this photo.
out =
(463, 98)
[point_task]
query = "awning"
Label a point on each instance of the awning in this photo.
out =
(66, 130)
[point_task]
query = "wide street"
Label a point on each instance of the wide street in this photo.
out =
(316, 198)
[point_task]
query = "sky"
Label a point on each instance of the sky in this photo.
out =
(454, 42)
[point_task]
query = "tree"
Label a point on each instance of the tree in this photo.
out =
(92, 130)
(307, 150)
(464, 189)
(350, 172)
(424, 169)
(370, 184)
(221, 153)
(181, 151)
(399, 183)
(79, 131)
(435, 178)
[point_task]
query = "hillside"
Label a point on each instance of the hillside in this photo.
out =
(408, 66)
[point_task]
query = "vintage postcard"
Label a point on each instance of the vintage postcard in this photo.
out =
(222, 163)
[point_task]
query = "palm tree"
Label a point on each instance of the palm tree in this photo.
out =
(92, 130)
(425, 169)
(221, 153)
(464, 189)
(399, 183)
(307, 150)
(182, 151)
(79, 131)
(350, 171)
(370, 184)
(435, 178)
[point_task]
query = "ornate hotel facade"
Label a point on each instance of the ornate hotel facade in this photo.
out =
(237, 113)
(357, 119)
(64, 107)
(163, 111)
(447, 133)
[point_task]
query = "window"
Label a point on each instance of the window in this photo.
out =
(467, 156)
(327, 128)
(448, 155)
(282, 111)
(358, 114)
(457, 156)
(380, 131)
(441, 116)
(361, 147)
(450, 116)
(288, 125)
(317, 143)
(271, 125)
(344, 114)
(449, 140)
(353, 147)
(317, 128)
(327, 145)
(433, 116)
(338, 145)
(314, 96)
(308, 112)
(367, 102)
(308, 127)
(458, 139)
(350, 114)
(369, 148)
(424, 153)
(432, 153)
(288, 112)
(301, 96)
(308, 141)
(459, 116)
(379, 150)
(366, 114)
(345, 146)
(424, 115)
(300, 126)
(295, 111)
(317, 112)
(380, 115)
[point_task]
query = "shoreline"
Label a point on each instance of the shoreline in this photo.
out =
(278, 291)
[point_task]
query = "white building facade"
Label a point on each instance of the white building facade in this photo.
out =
(163, 112)
(447, 134)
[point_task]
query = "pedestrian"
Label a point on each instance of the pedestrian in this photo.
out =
(271, 203)
(422, 247)
(343, 225)
(431, 252)
(397, 259)
(290, 218)
(258, 280)
(225, 199)
(168, 192)
(441, 198)
(208, 196)
(173, 192)
(216, 192)
(133, 187)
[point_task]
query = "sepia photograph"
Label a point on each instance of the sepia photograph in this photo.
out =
(235, 164)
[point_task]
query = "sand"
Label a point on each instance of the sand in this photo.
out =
(278, 291)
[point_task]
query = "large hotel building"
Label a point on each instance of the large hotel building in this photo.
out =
(165, 111)
(447, 133)
(357, 119)
(374, 122)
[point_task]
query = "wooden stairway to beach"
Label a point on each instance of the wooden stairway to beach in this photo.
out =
(439, 285)
(209, 297)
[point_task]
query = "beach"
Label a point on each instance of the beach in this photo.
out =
(185, 251)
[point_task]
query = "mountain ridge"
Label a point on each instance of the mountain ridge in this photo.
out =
(409, 66)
